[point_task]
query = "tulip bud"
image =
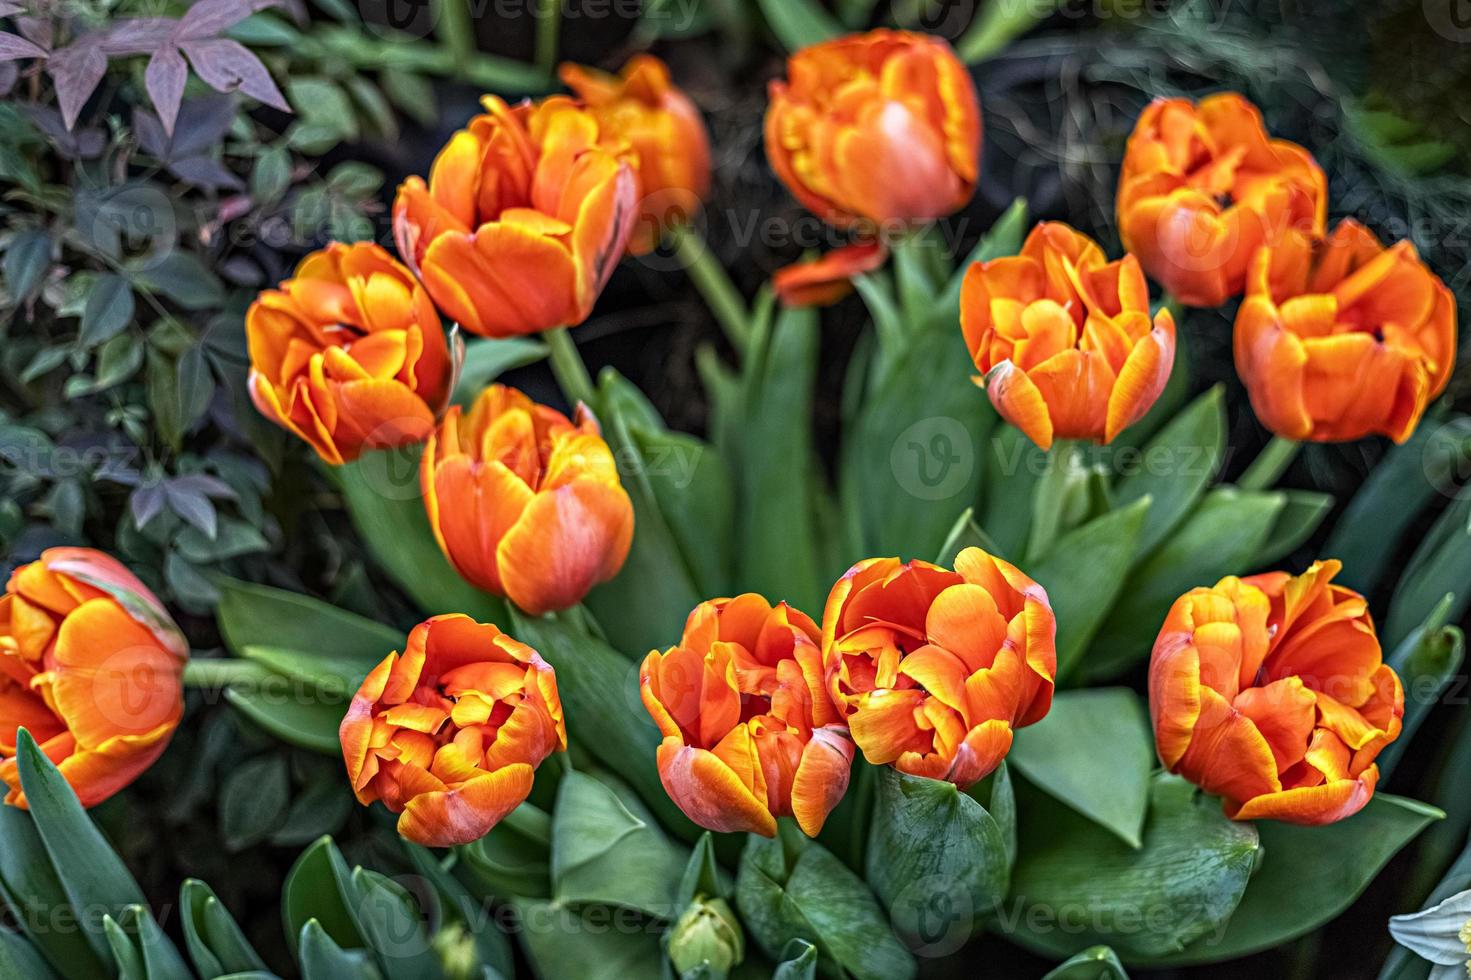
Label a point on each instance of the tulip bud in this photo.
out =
(707, 934)
(454, 947)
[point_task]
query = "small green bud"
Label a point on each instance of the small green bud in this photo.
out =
(455, 948)
(707, 933)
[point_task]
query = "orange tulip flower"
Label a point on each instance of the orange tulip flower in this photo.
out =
(349, 353)
(1270, 692)
(749, 731)
(524, 503)
(92, 666)
(933, 668)
(1351, 340)
(1063, 338)
(823, 281)
(1203, 187)
(666, 132)
(525, 215)
(876, 128)
(448, 733)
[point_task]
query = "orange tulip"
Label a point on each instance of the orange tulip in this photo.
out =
(1063, 338)
(749, 731)
(448, 733)
(666, 133)
(525, 215)
(524, 503)
(876, 128)
(1270, 692)
(349, 353)
(934, 669)
(92, 666)
(824, 281)
(1203, 186)
(1351, 340)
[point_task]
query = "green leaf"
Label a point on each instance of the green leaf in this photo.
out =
(965, 534)
(1077, 884)
(34, 893)
(998, 24)
(1442, 564)
(109, 309)
(492, 946)
(336, 676)
(389, 919)
(254, 800)
(318, 888)
(1081, 575)
(320, 808)
(271, 176)
(1175, 466)
(215, 942)
(514, 859)
(799, 23)
(1004, 237)
(799, 962)
(1304, 879)
(1427, 661)
(1110, 788)
(1093, 963)
(487, 359)
(322, 958)
(695, 493)
(184, 278)
(19, 960)
(258, 615)
(790, 887)
(702, 875)
(146, 953)
(382, 492)
(286, 714)
(1013, 467)
(1301, 514)
(27, 258)
(567, 942)
(938, 859)
(1218, 539)
(608, 850)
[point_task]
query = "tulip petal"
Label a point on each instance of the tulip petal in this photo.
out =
(822, 777)
(709, 792)
(566, 541)
(452, 817)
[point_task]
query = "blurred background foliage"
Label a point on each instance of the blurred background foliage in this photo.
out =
(130, 248)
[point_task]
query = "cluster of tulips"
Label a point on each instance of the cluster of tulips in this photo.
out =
(1269, 691)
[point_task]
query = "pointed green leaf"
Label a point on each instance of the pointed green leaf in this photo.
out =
(259, 615)
(214, 939)
(309, 724)
(1175, 466)
(35, 896)
(561, 941)
(799, 23)
(317, 890)
(321, 957)
(1094, 963)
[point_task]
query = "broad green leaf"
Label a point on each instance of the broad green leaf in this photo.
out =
(322, 958)
(998, 24)
(254, 799)
(702, 875)
(108, 311)
(389, 919)
(215, 942)
(695, 493)
(382, 492)
(1013, 466)
(965, 534)
(491, 944)
(1218, 539)
(291, 717)
(790, 887)
(1442, 564)
(1094, 963)
(514, 859)
(799, 23)
(608, 850)
(258, 615)
(319, 889)
(33, 892)
(1175, 466)
(1077, 884)
(1427, 662)
(1301, 514)
(19, 960)
(336, 677)
(142, 949)
(561, 942)
(799, 962)
(1094, 752)
(1304, 879)
(1081, 575)
(938, 859)
(27, 257)
(486, 359)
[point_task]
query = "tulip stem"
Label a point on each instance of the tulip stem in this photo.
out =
(714, 285)
(217, 673)
(567, 366)
(1050, 498)
(456, 32)
(548, 26)
(1269, 464)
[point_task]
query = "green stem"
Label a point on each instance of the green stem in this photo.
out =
(1270, 464)
(1050, 497)
(456, 32)
(567, 366)
(713, 282)
(217, 673)
(548, 26)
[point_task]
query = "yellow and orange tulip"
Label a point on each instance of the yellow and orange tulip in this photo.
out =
(749, 731)
(1203, 187)
(449, 732)
(876, 128)
(1272, 693)
(92, 666)
(934, 669)
(525, 503)
(525, 214)
(349, 354)
(1063, 338)
(1349, 341)
(659, 121)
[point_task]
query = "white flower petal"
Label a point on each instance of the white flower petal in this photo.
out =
(1435, 932)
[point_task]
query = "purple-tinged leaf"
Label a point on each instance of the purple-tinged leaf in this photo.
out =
(13, 46)
(8, 77)
(192, 505)
(203, 122)
(206, 172)
(151, 137)
(76, 70)
(210, 18)
(136, 35)
(164, 79)
(227, 65)
(146, 503)
(9, 8)
(210, 486)
(40, 30)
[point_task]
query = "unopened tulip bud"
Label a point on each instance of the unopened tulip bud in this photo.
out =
(707, 934)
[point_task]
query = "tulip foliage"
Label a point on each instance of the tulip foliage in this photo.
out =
(1021, 666)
